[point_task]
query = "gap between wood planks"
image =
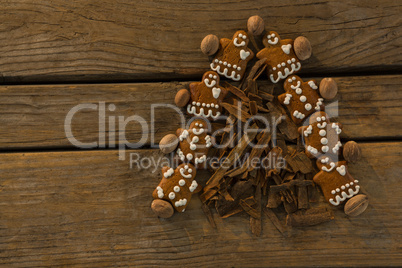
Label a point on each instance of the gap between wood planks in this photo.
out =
(70, 80)
(148, 147)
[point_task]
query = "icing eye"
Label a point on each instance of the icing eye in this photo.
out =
(269, 36)
(201, 125)
(210, 76)
(294, 78)
(244, 37)
(225, 63)
(323, 161)
(190, 170)
(290, 80)
(216, 106)
(323, 118)
(318, 119)
(203, 105)
(273, 35)
(220, 62)
(196, 124)
(240, 35)
(194, 103)
(279, 66)
(239, 68)
(185, 167)
(235, 66)
(216, 77)
(216, 60)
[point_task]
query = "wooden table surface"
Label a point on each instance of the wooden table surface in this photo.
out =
(62, 206)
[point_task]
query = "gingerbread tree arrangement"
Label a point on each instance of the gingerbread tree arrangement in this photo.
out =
(314, 174)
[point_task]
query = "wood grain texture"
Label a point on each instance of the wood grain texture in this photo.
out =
(34, 116)
(87, 40)
(89, 209)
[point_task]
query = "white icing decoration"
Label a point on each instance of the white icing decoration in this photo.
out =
(176, 189)
(181, 155)
(160, 192)
(189, 156)
(233, 75)
(287, 99)
(312, 150)
(324, 141)
(288, 72)
(319, 103)
(332, 164)
(208, 141)
(243, 43)
(337, 128)
(275, 39)
(193, 186)
(298, 91)
(341, 170)
(208, 84)
(325, 160)
(322, 132)
(312, 84)
(323, 125)
(294, 87)
(339, 199)
(199, 160)
(336, 147)
(183, 135)
(188, 176)
(307, 107)
(193, 145)
(168, 173)
(286, 48)
(216, 91)
(325, 148)
(298, 114)
(308, 130)
(182, 182)
(198, 132)
(244, 54)
(172, 195)
(192, 110)
(303, 98)
(181, 202)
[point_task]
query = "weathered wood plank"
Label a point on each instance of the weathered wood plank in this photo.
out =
(34, 116)
(90, 209)
(126, 40)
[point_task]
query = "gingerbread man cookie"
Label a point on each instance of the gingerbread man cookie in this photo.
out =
(301, 98)
(321, 137)
(194, 143)
(233, 56)
(280, 57)
(177, 186)
(335, 181)
(206, 97)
